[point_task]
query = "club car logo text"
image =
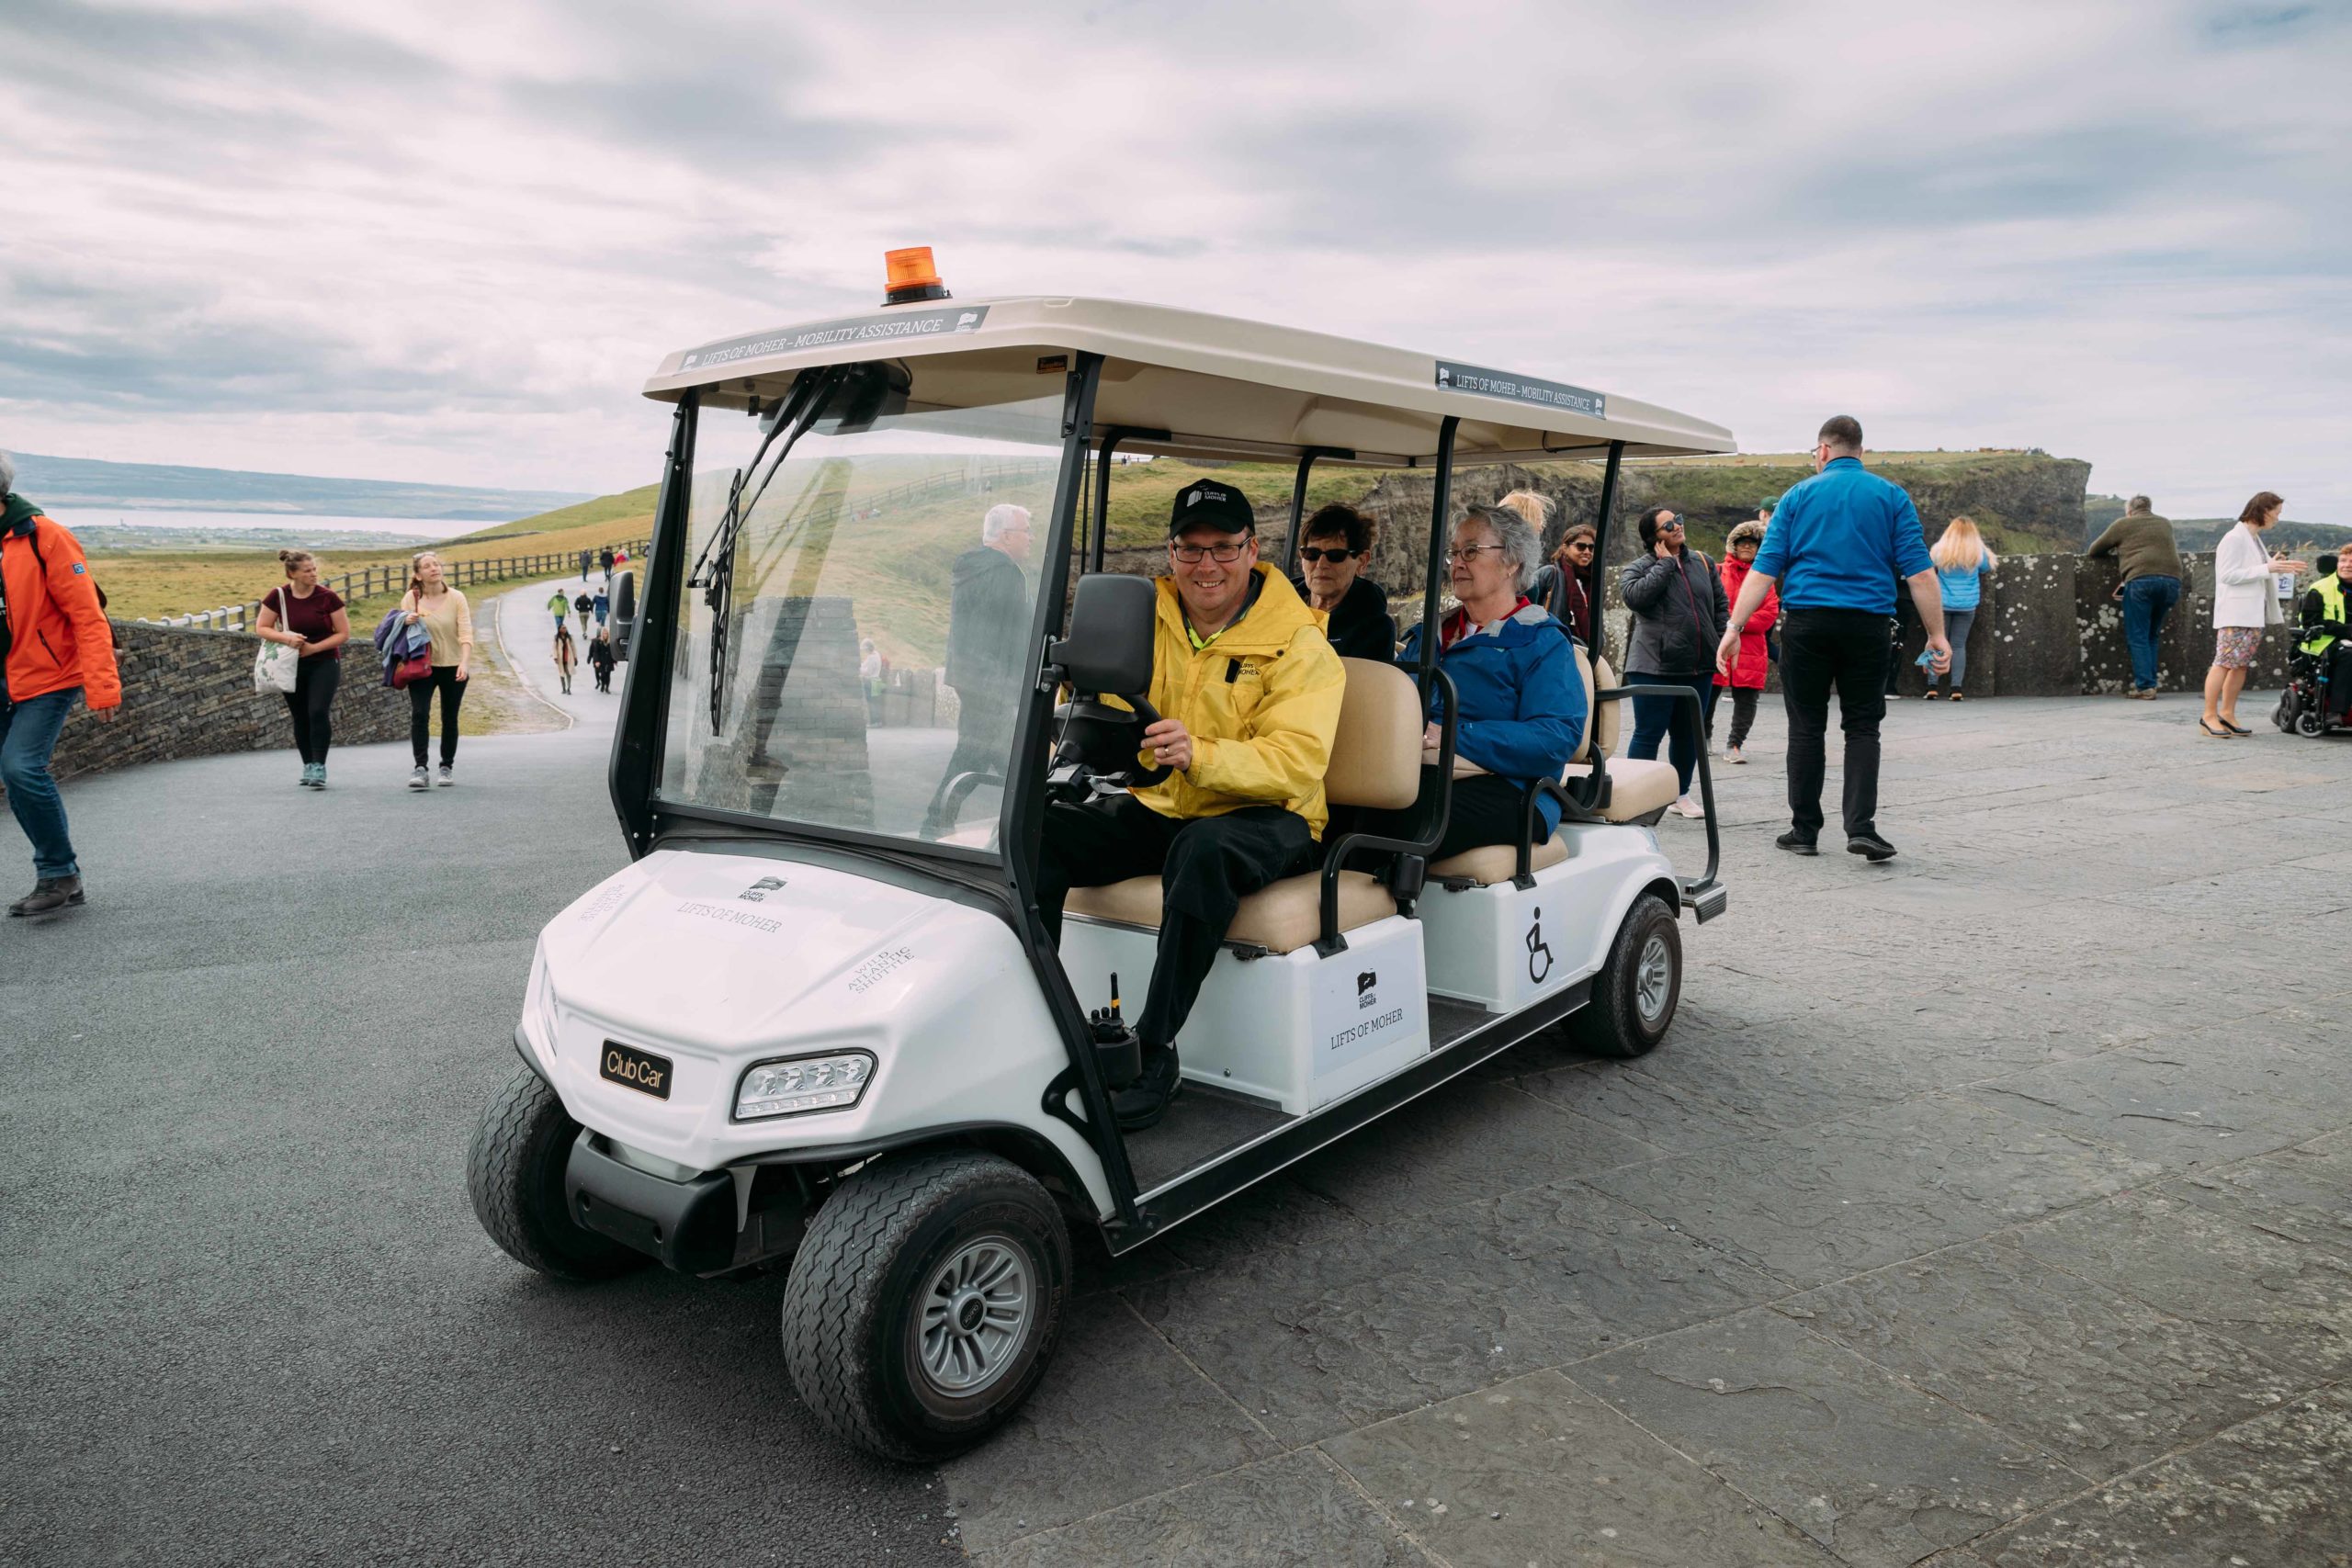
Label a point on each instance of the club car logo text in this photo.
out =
(897, 327)
(626, 1069)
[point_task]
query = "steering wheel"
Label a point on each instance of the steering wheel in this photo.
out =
(1098, 744)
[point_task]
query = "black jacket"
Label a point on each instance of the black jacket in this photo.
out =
(1680, 612)
(987, 622)
(1362, 627)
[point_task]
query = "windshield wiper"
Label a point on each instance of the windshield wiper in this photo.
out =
(714, 571)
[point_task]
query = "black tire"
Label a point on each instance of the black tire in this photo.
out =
(2310, 722)
(854, 1307)
(515, 1175)
(2284, 716)
(1623, 1020)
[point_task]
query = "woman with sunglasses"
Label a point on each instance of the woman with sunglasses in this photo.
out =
(1680, 612)
(1566, 584)
(1331, 562)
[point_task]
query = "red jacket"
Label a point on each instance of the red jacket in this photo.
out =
(1748, 669)
(58, 636)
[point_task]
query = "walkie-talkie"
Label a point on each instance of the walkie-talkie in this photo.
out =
(1116, 1049)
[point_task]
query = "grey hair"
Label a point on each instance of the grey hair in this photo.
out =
(2138, 504)
(7, 473)
(1001, 519)
(1522, 549)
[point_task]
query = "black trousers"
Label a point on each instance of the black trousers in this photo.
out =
(1847, 650)
(1206, 866)
(1743, 714)
(420, 708)
(1487, 810)
(311, 701)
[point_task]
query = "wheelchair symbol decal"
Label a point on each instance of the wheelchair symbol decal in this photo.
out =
(1539, 956)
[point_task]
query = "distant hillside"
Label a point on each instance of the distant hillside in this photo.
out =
(69, 482)
(2204, 532)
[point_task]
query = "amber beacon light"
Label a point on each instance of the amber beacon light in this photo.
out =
(908, 276)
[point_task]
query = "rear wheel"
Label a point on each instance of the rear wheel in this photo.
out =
(1635, 995)
(925, 1302)
(514, 1175)
(2284, 716)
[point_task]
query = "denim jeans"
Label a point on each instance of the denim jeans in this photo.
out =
(27, 735)
(1956, 624)
(2146, 602)
(1657, 718)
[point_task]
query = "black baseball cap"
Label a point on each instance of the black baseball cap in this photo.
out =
(1211, 504)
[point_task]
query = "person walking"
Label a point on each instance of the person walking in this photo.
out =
(567, 655)
(605, 559)
(586, 557)
(2143, 547)
(600, 659)
(1746, 680)
(558, 606)
(1565, 585)
(582, 605)
(2244, 604)
(1838, 544)
(58, 647)
(1678, 609)
(602, 605)
(449, 626)
(309, 617)
(1963, 563)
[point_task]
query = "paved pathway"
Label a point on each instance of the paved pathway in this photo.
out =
(1987, 1208)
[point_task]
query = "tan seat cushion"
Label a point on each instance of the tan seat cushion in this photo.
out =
(1637, 786)
(1490, 864)
(1376, 751)
(1280, 918)
(1584, 674)
(1606, 717)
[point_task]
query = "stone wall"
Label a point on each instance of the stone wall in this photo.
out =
(190, 693)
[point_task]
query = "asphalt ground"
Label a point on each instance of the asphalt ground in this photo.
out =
(246, 1314)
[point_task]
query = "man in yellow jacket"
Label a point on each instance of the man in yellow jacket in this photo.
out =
(1248, 689)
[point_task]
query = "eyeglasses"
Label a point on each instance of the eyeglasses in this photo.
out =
(1191, 553)
(1464, 554)
(1309, 553)
(1579, 544)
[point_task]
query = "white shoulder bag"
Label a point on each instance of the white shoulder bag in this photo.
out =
(273, 665)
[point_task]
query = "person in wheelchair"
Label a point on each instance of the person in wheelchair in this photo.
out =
(1249, 692)
(1522, 708)
(2325, 627)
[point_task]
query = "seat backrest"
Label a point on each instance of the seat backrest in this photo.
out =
(1584, 674)
(1377, 754)
(1604, 715)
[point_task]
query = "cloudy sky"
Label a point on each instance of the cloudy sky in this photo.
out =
(448, 239)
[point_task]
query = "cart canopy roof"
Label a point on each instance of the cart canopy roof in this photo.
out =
(1218, 385)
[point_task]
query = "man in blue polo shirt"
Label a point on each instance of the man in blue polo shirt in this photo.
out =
(1838, 543)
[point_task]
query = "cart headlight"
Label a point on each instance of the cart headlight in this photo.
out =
(538, 1002)
(808, 1083)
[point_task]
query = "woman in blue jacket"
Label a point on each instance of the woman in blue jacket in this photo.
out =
(1962, 565)
(1514, 669)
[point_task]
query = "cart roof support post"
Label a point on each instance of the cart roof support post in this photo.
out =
(636, 737)
(1601, 542)
(1298, 497)
(1022, 824)
(1440, 503)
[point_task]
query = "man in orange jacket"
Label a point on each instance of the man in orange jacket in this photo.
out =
(59, 648)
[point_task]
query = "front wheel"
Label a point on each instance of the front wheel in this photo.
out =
(2311, 722)
(925, 1302)
(515, 1175)
(1635, 995)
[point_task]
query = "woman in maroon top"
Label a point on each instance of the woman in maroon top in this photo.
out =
(310, 619)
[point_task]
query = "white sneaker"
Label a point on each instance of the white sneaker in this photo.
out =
(1733, 755)
(420, 780)
(447, 778)
(1688, 807)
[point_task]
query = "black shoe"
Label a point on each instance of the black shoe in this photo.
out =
(1869, 846)
(50, 894)
(1797, 844)
(1143, 1102)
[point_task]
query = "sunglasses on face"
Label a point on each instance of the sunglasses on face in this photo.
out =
(1580, 544)
(1310, 553)
(1191, 553)
(1669, 527)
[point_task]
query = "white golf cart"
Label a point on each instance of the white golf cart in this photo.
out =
(819, 1017)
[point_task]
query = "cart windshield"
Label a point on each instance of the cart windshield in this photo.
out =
(855, 628)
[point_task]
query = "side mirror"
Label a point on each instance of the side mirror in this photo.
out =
(623, 611)
(1109, 646)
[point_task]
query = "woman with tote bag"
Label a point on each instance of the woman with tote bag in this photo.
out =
(2244, 604)
(307, 617)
